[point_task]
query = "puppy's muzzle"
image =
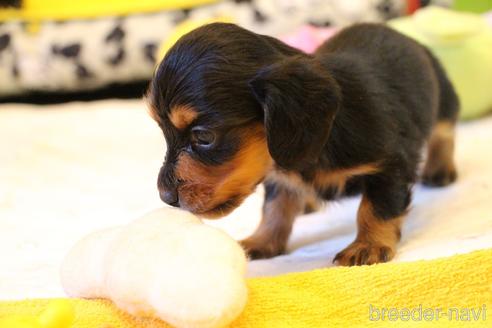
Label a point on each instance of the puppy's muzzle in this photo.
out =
(167, 185)
(169, 196)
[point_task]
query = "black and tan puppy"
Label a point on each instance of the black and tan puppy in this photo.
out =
(238, 109)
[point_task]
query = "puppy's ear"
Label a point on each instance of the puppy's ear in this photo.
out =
(300, 100)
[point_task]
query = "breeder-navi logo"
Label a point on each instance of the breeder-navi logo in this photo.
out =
(427, 314)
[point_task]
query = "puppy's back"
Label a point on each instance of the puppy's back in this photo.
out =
(389, 64)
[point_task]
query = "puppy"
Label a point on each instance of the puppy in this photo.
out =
(238, 109)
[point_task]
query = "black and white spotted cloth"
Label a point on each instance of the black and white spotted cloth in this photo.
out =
(76, 55)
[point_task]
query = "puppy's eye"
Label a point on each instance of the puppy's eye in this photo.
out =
(202, 137)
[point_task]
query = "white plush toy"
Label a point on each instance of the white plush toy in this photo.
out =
(167, 264)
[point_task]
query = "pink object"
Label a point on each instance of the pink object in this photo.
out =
(488, 17)
(308, 38)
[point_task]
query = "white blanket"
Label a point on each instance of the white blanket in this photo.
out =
(67, 170)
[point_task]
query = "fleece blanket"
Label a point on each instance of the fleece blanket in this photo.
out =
(451, 292)
(70, 169)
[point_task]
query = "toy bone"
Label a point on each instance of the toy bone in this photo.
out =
(167, 264)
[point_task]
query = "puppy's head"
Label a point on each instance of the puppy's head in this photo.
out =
(232, 104)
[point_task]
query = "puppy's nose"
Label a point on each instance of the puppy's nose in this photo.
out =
(170, 197)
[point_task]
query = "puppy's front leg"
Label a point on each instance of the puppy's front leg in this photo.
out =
(280, 209)
(379, 218)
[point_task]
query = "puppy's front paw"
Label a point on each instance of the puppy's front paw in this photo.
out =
(363, 252)
(259, 249)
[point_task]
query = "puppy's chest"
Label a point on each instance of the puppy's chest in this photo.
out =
(326, 184)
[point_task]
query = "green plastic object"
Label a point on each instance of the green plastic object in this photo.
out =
(475, 6)
(463, 44)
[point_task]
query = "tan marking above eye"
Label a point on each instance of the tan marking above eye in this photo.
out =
(182, 116)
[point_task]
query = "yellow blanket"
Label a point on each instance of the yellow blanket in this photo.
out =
(411, 293)
(38, 10)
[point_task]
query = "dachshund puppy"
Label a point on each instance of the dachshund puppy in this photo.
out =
(238, 109)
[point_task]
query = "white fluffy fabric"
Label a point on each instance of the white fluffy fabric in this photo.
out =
(69, 170)
(166, 264)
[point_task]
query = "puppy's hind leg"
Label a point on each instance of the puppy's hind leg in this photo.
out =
(440, 169)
